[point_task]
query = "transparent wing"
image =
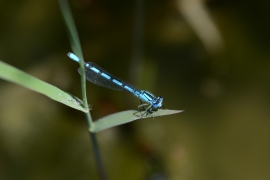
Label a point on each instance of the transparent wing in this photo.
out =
(98, 79)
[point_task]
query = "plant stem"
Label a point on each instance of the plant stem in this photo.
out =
(97, 156)
(76, 47)
(100, 166)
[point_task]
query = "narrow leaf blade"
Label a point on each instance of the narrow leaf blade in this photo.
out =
(123, 117)
(17, 76)
(72, 31)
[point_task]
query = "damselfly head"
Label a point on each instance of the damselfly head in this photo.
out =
(158, 102)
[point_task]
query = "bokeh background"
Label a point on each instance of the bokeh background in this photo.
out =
(209, 58)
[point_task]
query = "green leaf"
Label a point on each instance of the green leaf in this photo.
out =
(17, 76)
(126, 117)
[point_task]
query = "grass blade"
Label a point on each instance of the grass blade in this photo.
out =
(126, 117)
(72, 31)
(17, 76)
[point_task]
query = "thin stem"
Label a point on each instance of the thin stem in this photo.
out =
(85, 103)
(76, 47)
(101, 170)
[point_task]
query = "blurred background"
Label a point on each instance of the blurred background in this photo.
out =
(209, 58)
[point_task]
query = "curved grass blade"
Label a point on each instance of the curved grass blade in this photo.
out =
(126, 117)
(72, 31)
(17, 76)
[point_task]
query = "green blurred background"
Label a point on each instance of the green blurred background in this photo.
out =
(209, 58)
